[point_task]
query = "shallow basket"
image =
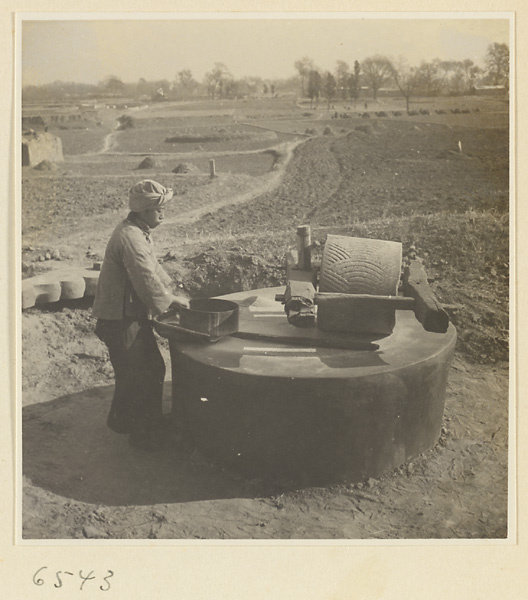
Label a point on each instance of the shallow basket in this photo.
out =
(207, 319)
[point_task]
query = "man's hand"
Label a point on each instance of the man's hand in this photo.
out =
(179, 302)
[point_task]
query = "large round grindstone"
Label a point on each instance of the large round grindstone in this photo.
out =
(276, 410)
(353, 265)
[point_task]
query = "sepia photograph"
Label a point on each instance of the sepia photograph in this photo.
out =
(264, 277)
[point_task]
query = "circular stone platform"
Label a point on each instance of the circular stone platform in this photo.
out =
(311, 414)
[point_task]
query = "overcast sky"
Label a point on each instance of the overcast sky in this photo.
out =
(89, 50)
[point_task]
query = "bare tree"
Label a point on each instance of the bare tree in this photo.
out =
(304, 66)
(457, 81)
(428, 78)
(314, 86)
(353, 82)
(253, 83)
(216, 79)
(142, 87)
(446, 70)
(498, 64)
(113, 85)
(329, 88)
(342, 76)
(376, 71)
(406, 78)
(186, 81)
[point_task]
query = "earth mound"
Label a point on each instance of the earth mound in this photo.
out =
(185, 168)
(217, 272)
(125, 122)
(46, 165)
(364, 129)
(150, 163)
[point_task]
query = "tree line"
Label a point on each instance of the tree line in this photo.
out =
(217, 83)
(429, 78)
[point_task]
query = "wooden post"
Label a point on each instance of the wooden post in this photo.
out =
(304, 242)
(299, 294)
(212, 171)
(336, 300)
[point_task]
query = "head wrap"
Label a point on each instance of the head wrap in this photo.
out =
(148, 194)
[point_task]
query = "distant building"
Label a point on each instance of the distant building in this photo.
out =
(483, 90)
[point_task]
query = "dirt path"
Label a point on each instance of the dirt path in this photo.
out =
(267, 184)
(228, 191)
(109, 142)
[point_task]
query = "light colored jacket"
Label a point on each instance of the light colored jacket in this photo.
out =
(132, 283)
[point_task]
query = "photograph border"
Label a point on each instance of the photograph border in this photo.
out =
(515, 232)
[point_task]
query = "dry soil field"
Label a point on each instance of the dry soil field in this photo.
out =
(437, 182)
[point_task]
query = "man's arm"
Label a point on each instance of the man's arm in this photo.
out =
(144, 275)
(178, 300)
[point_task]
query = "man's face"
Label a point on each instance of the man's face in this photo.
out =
(152, 216)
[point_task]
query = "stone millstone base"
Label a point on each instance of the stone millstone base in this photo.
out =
(312, 415)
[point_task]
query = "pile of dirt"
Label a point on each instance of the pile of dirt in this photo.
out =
(125, 122)
(278, 158)
(185, 168)
(364, 129)
(150, 163)
(216, 272)
(60, 351)
(46, 165)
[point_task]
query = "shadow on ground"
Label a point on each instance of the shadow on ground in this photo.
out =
(68, 450)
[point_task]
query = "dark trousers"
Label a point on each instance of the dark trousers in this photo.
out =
(139, 373)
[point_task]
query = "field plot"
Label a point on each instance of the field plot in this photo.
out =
(186, 139)
(437, 183)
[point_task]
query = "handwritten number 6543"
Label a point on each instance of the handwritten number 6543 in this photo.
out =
(37, 579)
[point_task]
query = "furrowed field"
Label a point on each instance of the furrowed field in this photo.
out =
(438, 183)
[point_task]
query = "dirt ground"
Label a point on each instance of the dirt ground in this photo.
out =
(404, 180)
